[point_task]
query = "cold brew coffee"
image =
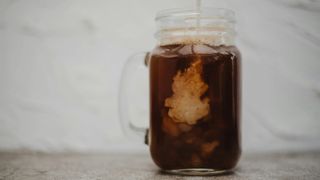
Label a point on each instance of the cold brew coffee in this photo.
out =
(195, 106)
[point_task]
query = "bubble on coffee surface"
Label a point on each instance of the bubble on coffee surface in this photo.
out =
(186, 104)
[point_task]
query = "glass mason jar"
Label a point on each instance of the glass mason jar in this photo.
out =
(195, 85)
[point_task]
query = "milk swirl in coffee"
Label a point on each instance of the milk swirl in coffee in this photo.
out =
(195, 106)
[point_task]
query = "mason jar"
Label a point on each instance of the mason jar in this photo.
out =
(195, 92)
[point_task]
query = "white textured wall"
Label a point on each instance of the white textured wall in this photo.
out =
(61, 60)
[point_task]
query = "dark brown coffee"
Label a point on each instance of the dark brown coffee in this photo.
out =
(195, 106)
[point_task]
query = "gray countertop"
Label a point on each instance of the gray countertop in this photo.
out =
(36, 166)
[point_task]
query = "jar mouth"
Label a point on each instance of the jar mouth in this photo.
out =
(207, 25)
(209, 13)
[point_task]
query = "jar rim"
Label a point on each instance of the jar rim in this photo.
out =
(204, 13)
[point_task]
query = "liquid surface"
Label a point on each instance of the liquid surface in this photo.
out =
(195, 106)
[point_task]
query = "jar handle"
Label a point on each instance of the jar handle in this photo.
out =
(136, 62)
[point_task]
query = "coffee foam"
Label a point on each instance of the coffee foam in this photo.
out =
(204, 35)
(211, 40)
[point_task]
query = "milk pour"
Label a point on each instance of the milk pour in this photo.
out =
(198, 6)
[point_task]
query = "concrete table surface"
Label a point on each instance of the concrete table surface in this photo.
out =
(34, 166)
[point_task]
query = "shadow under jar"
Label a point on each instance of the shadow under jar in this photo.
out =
(195, 93)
